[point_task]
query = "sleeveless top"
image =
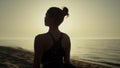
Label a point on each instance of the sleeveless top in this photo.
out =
(55, 54)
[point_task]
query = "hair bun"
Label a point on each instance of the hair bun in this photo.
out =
(65, 11)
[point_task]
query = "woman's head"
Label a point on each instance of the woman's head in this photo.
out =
(55, 16)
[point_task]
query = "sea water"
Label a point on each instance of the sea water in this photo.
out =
(99, 51)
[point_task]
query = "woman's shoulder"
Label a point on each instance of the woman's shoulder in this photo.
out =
(66, 41)
(66, 36)
(41, 36)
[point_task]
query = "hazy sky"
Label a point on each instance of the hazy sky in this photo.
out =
(88, 18)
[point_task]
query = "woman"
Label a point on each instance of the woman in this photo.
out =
(52, 49)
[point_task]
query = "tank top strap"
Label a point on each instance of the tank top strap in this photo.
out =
(60, 38)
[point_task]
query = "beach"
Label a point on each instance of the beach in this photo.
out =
(17, 57)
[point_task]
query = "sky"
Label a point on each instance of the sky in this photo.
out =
(88, 19)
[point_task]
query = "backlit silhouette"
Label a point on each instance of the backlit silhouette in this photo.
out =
(52, 49)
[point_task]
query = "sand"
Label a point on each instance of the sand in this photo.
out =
(16, 57)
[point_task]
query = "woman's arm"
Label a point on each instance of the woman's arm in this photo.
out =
(38, 51)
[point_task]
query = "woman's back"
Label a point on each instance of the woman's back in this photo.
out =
(55, 52)
(47, 40)
(54, 49)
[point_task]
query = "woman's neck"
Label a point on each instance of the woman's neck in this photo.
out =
(54, 30)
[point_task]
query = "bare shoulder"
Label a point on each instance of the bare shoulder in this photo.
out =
(66, 37)
(66, 41)
(41, 37)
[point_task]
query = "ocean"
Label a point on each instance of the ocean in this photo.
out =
(99, 51)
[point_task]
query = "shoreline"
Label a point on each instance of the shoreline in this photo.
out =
(16, 57)
(84, 64)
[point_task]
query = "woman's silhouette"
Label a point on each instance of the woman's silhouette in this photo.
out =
(52, 49)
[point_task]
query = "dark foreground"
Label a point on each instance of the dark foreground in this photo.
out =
(11, 57)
